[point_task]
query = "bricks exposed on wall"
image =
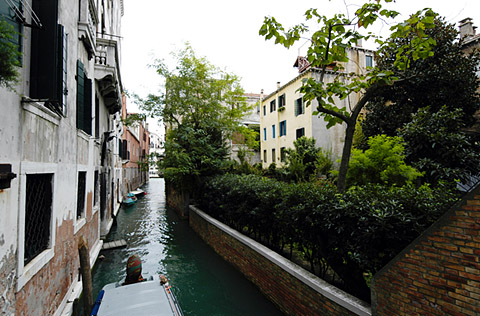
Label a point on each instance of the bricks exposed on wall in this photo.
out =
(439, 273)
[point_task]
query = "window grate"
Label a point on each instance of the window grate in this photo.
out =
(38, 214)
(82, 179)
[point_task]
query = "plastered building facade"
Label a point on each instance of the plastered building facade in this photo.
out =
(285, 117)
(59, 135)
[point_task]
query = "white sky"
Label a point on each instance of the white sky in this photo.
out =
(226, 33)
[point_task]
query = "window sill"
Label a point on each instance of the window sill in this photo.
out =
(40, 110)
(32, 268)
(79, 224)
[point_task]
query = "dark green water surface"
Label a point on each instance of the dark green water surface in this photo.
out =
(204, 284)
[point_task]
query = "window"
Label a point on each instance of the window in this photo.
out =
(273, 155)
(368, 61)
(97, 116)
(96, 189)
(8, 15)
(300, 132)
(48, 58)
(273, 131)
(38, 214)
(84, 100)
(264, 110)
(81, 189)
(282, 154)
(299, 107)
(283, 128)
(281, 101)
(265, 133)
(265, 155)
(273, 106)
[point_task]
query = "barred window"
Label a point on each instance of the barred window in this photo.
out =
(38, 214)
(82, 179)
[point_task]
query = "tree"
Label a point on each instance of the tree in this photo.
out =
(329, 45)
(202, 106)
(424, 111)
(437, 146)
(9, 56)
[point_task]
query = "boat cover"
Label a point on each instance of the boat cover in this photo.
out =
(147, 298)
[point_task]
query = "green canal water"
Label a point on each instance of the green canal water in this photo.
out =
(204, 284)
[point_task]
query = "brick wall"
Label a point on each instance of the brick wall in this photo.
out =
(294, 290)
(439, 273)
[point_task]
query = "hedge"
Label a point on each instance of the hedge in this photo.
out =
(355, 234)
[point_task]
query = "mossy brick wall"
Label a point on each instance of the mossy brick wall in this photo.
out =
(439, 273)
(294, 290)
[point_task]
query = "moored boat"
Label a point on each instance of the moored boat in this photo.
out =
(138, 192)
(147, 298)
(130, 199)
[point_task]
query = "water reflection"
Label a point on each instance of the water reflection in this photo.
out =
(205, 285)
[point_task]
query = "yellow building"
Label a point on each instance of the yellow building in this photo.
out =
(285, 116)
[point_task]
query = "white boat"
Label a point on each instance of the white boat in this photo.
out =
(138, 192)
(148, 298)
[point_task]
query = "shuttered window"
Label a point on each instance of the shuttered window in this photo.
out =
(48, 61)
(7, 14)
(84, 100)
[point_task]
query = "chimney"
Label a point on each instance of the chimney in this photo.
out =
(278, 84)
(466, 28)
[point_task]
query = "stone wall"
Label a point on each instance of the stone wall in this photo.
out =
(439, 273)
(179, 201)
(292, 289)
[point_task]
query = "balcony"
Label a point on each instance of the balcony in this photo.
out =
(107, 73)
(87, 25)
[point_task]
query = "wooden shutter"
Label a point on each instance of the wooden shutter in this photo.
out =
(61, 61)
(44, 52)
(7, 14)
(87, 106)
(80, 95)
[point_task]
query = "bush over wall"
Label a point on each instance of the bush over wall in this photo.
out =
(354, 234)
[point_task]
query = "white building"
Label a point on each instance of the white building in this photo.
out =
(59, 138)
(157, 151)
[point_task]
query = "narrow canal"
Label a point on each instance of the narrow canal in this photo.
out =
(204, 284)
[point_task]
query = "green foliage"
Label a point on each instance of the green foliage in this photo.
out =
(329, 45)
(437, 145)
(448, 78)
(383, 163)
(353, 233)
(201, 106)
(306, 161)
(9, 56)
(133, 119)
(424, 110)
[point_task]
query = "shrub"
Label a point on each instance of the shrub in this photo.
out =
(383, 163)
(354, 233)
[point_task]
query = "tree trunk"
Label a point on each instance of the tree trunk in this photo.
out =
(347, 150)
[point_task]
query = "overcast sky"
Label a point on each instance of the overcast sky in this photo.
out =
(226, 33)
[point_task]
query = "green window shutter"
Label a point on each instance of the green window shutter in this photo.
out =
(44, 52)
(7, 14)
(80, 95)
(87, 97)
(61, 64)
